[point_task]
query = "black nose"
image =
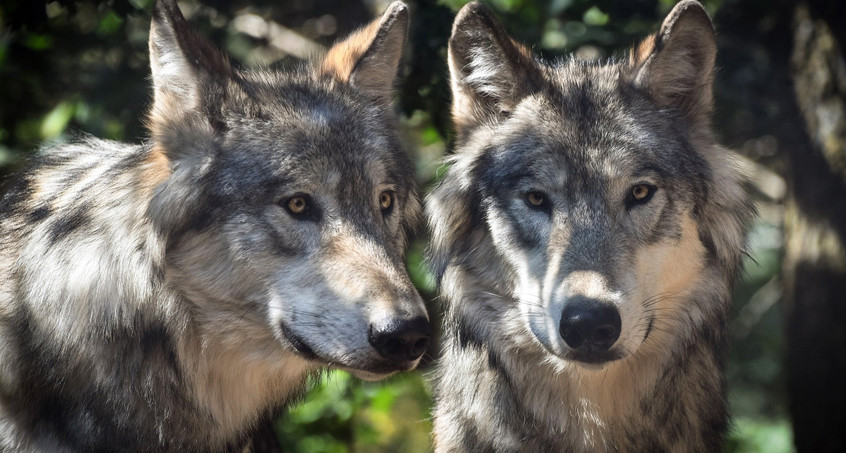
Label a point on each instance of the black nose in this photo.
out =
(588, 325)
(402, 340)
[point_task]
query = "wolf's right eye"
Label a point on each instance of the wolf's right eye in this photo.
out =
(536, 199)
(640, 194)
(386, 201)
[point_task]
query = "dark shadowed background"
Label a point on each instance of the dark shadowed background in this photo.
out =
(81, 65)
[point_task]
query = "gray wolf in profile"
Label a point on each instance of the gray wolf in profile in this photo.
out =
(586, 238)
(173, 295)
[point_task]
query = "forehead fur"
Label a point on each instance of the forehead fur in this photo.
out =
(588, 122)
(298, 95)
(286, 131)
(297, 114)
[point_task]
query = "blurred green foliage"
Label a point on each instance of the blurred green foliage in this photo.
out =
(342, 412)
(81, 65)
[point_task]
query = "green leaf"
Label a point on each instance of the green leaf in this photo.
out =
(758, 435)
(57, 120)
(595, 16)
(109, 24)
(38, 42)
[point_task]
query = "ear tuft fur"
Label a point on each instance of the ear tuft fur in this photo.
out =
(489, 72)
(676, 65)
(369, 58)
(189, 78)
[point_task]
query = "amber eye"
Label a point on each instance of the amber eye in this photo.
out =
(297, 205)
(386, 200)
(640, 192)
(536, 198)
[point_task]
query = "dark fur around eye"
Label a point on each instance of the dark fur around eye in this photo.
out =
(301, 207)
(387, 200)
(538, 201)
(636, 197)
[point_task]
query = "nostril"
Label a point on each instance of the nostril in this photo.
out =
(572, 337)
(392, 346)
(605, 336)
(401, 340)
(419, 346)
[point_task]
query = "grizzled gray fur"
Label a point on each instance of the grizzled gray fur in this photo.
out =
(586, 238)
(170, 296)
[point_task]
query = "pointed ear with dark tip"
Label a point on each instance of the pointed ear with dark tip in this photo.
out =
(189, 75)
(489, 72)
(676, 66)
(369, 58)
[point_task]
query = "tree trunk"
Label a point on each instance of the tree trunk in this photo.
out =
(815, 233)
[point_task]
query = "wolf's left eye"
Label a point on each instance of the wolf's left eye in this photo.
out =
(640, 194)
(298, 206)
(537, 200)
(386, 201)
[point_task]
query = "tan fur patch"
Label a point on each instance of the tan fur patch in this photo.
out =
(639, 54)
(358, 269)
(156, 169)
(672, 267)
(369, 58)
(236, 390)
(342, 58)
(524, 53)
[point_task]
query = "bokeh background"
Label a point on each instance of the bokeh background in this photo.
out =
(81, 65)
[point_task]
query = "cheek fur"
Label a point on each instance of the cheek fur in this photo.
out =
(670, 266)
(667, 270)
(515, 226)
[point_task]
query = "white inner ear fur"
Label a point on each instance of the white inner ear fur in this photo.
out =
(486, 75)
(170, 70)
(173, 77)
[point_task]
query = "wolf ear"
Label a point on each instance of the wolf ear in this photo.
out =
(676, 66)
(489, 72)
(189, 76)
(369, 58)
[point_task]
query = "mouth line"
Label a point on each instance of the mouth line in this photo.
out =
(306, 352)
(368, 375)
(593, 359)
(382, 369)
(596, 359)
(649, 328)
(299, 345)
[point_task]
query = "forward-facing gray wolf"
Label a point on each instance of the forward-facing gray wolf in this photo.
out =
(172, 295)
(585, 238)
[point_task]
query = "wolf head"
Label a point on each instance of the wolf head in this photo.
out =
(285, 198)
(590, 194)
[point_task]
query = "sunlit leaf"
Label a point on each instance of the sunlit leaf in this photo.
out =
(6, 156)
(595, 16)
(750, 435)
(57, 120)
